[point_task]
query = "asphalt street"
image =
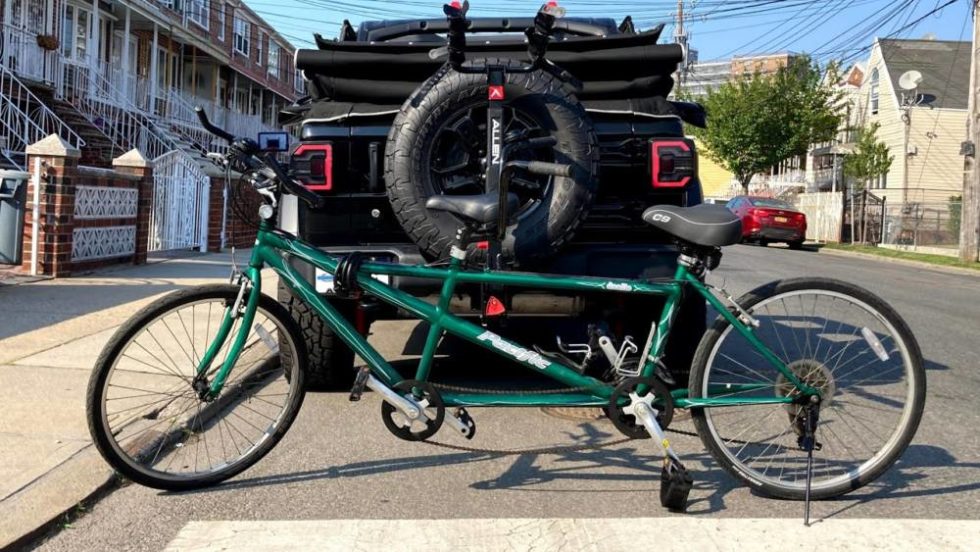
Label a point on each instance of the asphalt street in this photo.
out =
(338, 461)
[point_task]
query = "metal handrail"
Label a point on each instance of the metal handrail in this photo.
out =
(40, 117)
(110, 110)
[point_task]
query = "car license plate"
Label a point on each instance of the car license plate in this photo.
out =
(324, 280)
(781, 219)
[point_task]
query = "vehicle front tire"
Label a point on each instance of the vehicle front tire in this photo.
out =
(798, 244)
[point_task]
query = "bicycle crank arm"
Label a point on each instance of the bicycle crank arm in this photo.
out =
(409, 408)
(675, 481)
(648, 417)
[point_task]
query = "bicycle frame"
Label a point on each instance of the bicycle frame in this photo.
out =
(275, 249)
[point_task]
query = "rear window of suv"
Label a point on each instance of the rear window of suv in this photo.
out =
(771, 203)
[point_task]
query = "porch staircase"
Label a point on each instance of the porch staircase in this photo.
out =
(25, 119)
(105, 108)
(99, 149)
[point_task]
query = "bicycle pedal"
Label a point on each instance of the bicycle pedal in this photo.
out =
(463, 416)
(675, 486)
(360, 382)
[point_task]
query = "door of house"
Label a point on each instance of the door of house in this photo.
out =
(124, 77)
(23, 21)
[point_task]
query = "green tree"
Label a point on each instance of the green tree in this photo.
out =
(756, 122)
(870, 159)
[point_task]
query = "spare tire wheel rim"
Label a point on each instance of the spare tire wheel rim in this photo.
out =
(456, 159)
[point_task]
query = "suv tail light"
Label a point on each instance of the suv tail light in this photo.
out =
(312, 166)
(672, 163)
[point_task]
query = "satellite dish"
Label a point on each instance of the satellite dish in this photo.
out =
(910, 80)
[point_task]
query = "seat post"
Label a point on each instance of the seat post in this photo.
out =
(457, 253)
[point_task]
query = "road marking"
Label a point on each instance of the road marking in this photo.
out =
(690, 534)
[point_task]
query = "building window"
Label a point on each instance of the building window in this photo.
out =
(874, 92)
(75, 32)
(199, 11)
(221, 21)
(242, 30)
(298, 82)
(274, 49)
(259, 49)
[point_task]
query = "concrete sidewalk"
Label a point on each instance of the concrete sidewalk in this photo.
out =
(51, 333)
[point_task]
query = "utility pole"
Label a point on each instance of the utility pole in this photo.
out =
(680, 37)
(970, 214)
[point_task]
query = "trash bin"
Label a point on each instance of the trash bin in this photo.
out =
(13, 205)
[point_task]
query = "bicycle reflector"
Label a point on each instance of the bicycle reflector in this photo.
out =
(312, 166)
(671, 163)
(494, 307)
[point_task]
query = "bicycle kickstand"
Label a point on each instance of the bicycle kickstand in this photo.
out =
(808, 442)
(675, 480)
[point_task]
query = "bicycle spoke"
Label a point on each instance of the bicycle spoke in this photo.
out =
(863, 397)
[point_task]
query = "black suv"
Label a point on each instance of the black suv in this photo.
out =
(389, 122)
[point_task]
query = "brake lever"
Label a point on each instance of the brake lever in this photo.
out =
(217, 159)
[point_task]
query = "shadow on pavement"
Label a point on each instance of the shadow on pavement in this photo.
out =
(908, 478)
(32, 306)
(588, 457)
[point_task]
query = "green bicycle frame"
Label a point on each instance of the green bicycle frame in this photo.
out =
(276, 249)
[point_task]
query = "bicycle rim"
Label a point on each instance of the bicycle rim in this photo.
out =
(861, 361)
(154, 421)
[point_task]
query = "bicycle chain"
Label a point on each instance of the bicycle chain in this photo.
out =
(460, 389)
(543, 450)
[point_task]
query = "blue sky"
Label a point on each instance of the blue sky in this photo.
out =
(718, 29)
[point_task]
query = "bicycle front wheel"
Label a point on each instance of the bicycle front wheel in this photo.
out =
(836, 337)
(148, 420)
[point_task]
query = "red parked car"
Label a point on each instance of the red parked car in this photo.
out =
(765, 220)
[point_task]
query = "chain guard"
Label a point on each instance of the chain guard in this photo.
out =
(626, 423)
(430, 396)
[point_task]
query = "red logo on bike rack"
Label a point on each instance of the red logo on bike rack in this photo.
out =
(495, 92)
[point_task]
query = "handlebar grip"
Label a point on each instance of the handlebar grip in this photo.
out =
(311, 198)
(203, 117)
(552, 169)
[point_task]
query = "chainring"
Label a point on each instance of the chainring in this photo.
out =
(627, 424)
(408, 430)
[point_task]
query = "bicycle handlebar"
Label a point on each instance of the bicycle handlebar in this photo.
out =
(203, 117)
(243, 154)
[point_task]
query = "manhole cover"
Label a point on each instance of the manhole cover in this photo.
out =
(589, 413)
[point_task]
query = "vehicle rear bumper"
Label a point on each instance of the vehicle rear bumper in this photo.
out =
(778, 234)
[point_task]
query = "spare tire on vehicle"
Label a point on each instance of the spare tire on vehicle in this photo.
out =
(438, 145)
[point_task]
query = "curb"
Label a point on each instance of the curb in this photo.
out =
(33, 510)
(907, 262)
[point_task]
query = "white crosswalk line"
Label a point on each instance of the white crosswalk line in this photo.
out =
(690, 534)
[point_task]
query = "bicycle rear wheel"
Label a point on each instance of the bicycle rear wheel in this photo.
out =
(836, 337)
(149, 422)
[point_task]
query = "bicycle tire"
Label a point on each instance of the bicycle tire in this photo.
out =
(760, 303)
(286, 363)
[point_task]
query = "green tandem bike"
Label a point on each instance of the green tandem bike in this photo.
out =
(803, 389)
